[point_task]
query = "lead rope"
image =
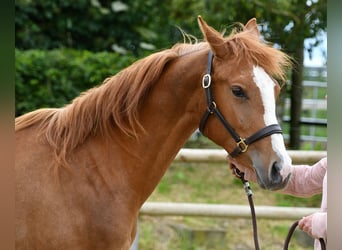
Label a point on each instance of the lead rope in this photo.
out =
(290, 233)
(249, 193)
(251, 205)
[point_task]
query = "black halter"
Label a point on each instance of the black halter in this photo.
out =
(241, 143)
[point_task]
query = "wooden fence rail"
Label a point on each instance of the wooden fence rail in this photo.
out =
(220, 155)
(224, 211)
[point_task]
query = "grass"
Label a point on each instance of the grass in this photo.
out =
(213, 183)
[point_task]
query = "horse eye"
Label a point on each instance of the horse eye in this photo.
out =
(238, 92)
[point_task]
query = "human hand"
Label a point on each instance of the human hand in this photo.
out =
(249, 173)
(305, 224)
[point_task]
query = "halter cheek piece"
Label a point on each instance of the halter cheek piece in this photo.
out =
(241, 143)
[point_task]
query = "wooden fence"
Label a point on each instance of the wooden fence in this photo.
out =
(221, 210)
(227, 210)
(220, 155)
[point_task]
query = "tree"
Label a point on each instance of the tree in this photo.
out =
(95, 25)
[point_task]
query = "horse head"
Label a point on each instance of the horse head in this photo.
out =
(241, 102)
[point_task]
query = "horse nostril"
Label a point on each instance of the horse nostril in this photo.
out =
(275, 173)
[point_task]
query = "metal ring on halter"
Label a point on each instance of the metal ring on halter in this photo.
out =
(206, 81)
(212, 107)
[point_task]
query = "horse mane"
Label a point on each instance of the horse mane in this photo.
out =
(117, 101)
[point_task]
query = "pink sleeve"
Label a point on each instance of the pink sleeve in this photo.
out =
(306, 180)
(319, 219)
(319, 225)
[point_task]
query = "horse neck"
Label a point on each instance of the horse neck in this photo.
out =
(170, 114)
(172, 110)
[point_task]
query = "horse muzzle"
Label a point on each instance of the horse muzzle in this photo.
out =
(272, 178)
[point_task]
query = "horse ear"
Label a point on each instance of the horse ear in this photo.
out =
(252, 26)
(214, 38)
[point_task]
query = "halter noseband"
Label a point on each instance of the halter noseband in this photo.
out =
(241, 143)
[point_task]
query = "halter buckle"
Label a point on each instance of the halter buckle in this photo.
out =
(206, 81)
(242, 145)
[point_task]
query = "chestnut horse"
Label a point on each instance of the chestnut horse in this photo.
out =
(83, 171)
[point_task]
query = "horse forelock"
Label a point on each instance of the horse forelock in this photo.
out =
(244, 46)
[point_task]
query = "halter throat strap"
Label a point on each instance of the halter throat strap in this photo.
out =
(241, 143)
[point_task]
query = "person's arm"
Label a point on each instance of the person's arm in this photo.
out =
(305, 180)
(315, 224)
(319, 225)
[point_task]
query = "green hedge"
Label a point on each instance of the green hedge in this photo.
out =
(54, 78)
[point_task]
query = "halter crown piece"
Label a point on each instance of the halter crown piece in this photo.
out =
(241, 143)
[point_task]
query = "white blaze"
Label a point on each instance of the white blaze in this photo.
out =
(266, 86)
